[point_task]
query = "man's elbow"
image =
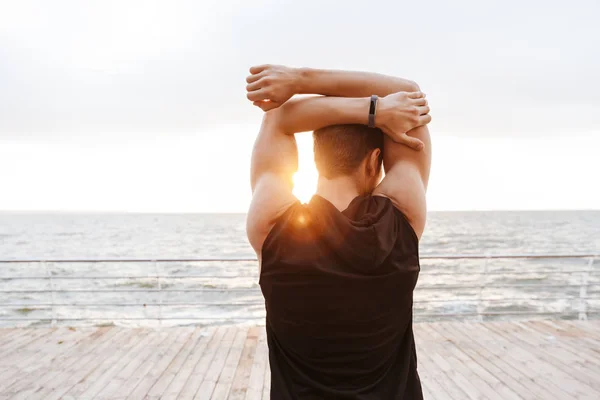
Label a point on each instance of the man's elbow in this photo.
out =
(278, 119)
(273, 120)
(271, 116)
(413, 86)
(405, 85)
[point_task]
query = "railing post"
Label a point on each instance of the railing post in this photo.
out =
(156, 268)
(482, 284)
(52, 310)
(583, 291)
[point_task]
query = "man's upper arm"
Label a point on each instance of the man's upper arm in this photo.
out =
(274, 162)
(407, 176)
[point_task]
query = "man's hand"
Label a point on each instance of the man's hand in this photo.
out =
(401, 112)
(269, 86)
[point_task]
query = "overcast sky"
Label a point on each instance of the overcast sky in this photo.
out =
(140, 105)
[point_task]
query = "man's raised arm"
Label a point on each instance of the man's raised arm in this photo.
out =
(407, 171)
(278, 84)
(271, 86)
(274, 158)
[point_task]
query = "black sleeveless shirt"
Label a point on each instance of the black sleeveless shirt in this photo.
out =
(338, 289)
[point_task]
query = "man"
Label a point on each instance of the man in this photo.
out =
(338, 273)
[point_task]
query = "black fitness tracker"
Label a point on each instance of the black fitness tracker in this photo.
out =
(372, 110)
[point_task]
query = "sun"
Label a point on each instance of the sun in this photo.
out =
(305, 180)
(305, 183)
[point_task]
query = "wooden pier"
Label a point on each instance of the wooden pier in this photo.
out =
(457, 360)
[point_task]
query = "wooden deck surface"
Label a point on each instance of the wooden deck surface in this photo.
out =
(457, 360)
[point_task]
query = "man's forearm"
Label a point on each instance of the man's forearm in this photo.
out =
(311, 113)
(350, 83)
(401, 108)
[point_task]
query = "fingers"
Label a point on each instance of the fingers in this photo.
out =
(254, 85)
(257, 95)
(266, 105)
(416, 95)
(258, 68)
(424, 119)
(423, 110)
(255, 77)
(411, 142)
(422, 101)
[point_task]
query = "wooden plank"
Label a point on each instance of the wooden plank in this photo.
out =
(178, 382)
(487, 384)
(425, 368)
(449, 379)
(495, 360)
(156, 369)
(560, 363)
(524, 355)
(27, 336)
(444, 374)
(494, 388)
(216, 367)
(46, 374)
(94, 381)
(426, 393)
(36, 352)
(557, 352)
(484, 362)
(61, 359)
(173, 368)
(497, 351)
(450, 365)
(588, 334)
(258, 369)
(221, 391)
(129, 377)
(16, 334)
(9, 334)
(241, 379)
(191, 386)
(519, 366)
(266, 394)
(80, 372)
(571, 340)
(7, 331)
(589, 329)
(434, 382)
(16, 364)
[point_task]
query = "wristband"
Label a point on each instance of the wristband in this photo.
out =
(372, 110)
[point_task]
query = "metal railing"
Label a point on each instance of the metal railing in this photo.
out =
(161, 279)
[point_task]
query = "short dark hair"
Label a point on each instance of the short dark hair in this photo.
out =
(339, 149)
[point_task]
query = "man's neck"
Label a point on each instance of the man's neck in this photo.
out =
(339, 191)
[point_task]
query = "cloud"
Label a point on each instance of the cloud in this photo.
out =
(140, 105)
(495, 68)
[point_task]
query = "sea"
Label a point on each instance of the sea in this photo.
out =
(216, 292)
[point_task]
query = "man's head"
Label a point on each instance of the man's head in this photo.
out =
(350, 150)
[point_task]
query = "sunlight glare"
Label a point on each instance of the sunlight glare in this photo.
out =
(305, 179)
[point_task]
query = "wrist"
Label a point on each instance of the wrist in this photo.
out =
(305, 78)
(380, 113)
(362, 106)
(351, 110)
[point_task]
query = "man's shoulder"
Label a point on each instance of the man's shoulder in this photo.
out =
(407, 195)
(270, 201)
